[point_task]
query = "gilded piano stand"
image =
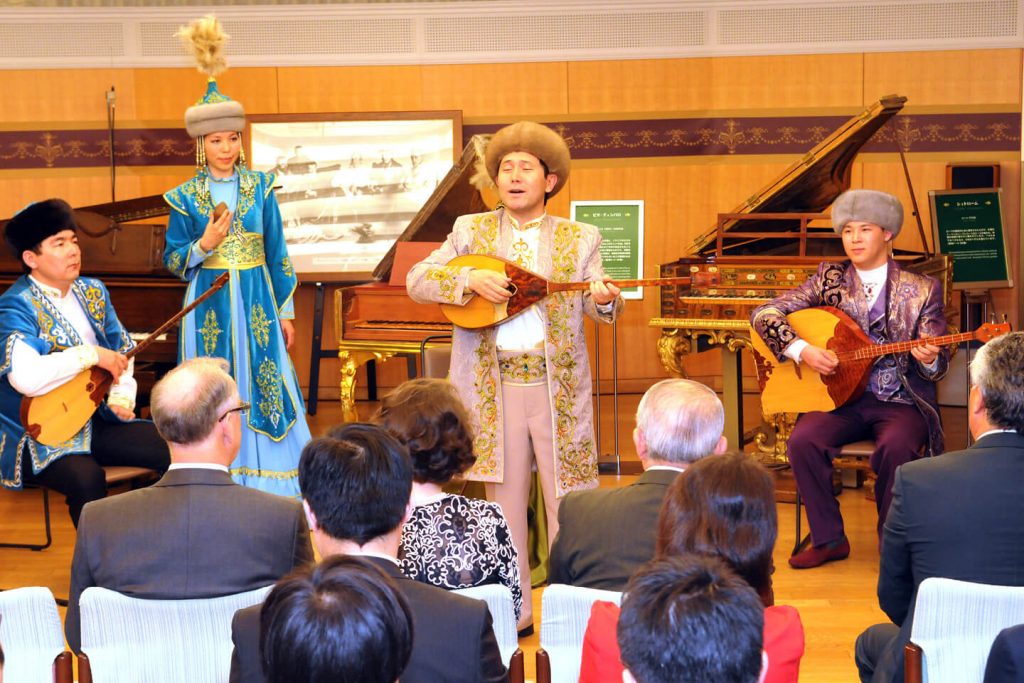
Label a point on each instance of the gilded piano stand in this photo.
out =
(354, 354)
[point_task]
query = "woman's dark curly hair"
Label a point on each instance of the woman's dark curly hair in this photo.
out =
(427, 415)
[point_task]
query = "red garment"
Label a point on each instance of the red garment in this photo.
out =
(783, 641)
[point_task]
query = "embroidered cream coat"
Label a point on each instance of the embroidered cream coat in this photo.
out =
(567, 251)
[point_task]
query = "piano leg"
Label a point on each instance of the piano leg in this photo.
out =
(350, 362)
(732, 395)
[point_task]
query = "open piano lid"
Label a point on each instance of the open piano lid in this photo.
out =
(454, 197)
(809, 185)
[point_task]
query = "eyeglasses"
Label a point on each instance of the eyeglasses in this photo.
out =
(240, 408)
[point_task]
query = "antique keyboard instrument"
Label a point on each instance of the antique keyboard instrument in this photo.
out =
(378, 320)
(772, 242)
(128, 257)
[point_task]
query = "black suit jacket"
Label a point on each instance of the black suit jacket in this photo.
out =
(955, 516)
(1006, 658)
(453, 639)
(193, 534)
(605, 535)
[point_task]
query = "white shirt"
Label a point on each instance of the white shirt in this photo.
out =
(198, 466)
(525, 332)
(33, 374)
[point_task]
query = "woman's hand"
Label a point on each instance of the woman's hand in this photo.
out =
(288, 330)
(216, 231)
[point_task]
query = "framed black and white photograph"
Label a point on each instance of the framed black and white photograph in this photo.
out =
(349, 183)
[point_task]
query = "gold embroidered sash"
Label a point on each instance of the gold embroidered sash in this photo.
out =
(522, 368)
(239, 252)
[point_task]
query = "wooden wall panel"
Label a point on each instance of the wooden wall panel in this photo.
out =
(164, 94)
(64, 95)
(497, 90)
(341, 89)
(772, 82)
(642, 85)
(946, 78)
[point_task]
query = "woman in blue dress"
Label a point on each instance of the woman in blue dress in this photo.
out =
(249, 321)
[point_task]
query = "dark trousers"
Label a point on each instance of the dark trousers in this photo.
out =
(899, 431)
(80, 477)
(876, 656)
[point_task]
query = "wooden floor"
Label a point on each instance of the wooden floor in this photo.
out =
(836, 602)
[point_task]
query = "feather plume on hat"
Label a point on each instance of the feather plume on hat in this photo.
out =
(481, 178)
(214, 112)
(205, 39)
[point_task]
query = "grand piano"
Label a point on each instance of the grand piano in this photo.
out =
(772, 242)
(378, 320)
(128, 257)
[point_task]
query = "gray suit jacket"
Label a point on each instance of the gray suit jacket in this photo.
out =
(453, 639)
(605, 535)
(193, 534)
(955, 516)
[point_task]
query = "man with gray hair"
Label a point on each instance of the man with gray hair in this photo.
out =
(955, 516)
(195, 533)
(605, 535)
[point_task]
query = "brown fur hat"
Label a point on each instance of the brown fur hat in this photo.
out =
(538, 140)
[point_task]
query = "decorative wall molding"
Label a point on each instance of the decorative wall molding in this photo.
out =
(482, 31)
(623, 139)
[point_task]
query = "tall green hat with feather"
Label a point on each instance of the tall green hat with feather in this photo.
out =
(214, 111)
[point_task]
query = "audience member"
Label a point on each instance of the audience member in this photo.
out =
(605, 535)
(356, 484)
(722, 506)
(689, 619)
(957, 515)
(343, 621)
(449, 541)
(195, 533)
(1006, 658)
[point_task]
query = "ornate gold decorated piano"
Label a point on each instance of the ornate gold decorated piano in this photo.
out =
(378, 320)
(128, 257)
(773, 241)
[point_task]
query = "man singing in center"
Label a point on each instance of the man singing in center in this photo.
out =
(526, 383)
(898, 409)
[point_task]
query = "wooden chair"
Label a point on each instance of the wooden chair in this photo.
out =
(114, 474)
(133, 639)
(954, 625)
(503, 618)
(565, 611)
(853, 456)
(32, 636)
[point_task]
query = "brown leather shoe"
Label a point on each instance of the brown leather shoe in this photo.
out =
(819, 555)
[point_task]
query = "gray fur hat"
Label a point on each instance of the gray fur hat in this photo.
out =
(214, 113)
(870, 206)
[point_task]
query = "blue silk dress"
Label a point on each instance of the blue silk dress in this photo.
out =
(241, 322)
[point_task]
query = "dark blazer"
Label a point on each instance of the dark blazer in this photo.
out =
(453, 639)
(1006, 658)
(606, 534)
(193, 534)
(956, 516)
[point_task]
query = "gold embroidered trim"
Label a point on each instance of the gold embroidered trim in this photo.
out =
(526, 368)
(265, 474)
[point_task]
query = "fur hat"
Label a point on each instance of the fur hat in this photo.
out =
(870, 206)
(214, 112)
(37, 221)
(538, 140)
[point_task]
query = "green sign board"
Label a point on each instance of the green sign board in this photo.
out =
(621, 224)
(968, 226)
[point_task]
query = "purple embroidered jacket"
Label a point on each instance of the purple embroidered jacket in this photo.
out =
(914, 309)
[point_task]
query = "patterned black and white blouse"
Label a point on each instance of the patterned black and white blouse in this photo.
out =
(457, 542)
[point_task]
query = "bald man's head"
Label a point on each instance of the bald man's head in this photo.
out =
(187, 402)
